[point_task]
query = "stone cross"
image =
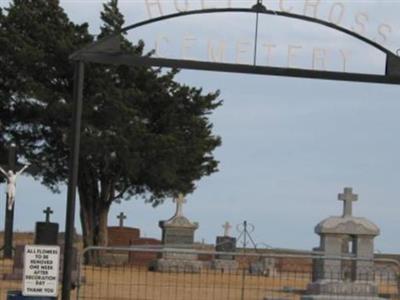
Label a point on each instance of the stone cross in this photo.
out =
(48, 212)
(180, 200)
(347, 197)
(121, 218)
(226, 228)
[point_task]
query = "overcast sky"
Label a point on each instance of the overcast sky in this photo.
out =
(289, 145)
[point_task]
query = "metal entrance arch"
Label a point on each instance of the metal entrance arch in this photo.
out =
(107, 51)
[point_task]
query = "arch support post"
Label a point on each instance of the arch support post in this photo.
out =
(392, 65)
(73, 177)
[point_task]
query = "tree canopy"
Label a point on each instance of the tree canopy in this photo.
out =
(143, 133)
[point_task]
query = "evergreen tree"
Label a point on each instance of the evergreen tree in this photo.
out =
(143, 133)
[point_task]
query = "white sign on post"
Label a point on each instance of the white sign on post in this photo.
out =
(41, 267)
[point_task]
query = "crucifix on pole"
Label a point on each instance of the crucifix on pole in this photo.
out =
(9, 214)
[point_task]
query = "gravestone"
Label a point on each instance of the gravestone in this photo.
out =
(264, 266)
(120, 236)
(227, 244)
(46, 233)
(177, 234)
(340, 237)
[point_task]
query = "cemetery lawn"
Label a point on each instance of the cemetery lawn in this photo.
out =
(138, 283)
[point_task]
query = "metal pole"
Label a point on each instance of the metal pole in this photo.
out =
(255, 41)
(73, 178)
(243, 284)
(245, 236)
(9, 220)
(244, 251)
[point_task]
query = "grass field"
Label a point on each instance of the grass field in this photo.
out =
(134, 283)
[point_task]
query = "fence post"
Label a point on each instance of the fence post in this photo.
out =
(243, 281)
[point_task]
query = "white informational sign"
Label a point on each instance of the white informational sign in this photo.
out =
(41, 267)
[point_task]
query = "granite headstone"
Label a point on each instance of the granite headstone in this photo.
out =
(225, 244)
(46, 233)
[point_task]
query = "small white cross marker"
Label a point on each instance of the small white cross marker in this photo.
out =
(226, 228)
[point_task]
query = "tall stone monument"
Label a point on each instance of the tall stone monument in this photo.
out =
(345, 236)
(178, 234)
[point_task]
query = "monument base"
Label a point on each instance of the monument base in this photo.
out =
(337, 289)
(176, 266)
(177, 262)
(336, 297)
(264, 267)
(224, 265)
(46, 233)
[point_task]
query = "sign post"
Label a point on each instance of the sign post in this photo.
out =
(41, 269)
